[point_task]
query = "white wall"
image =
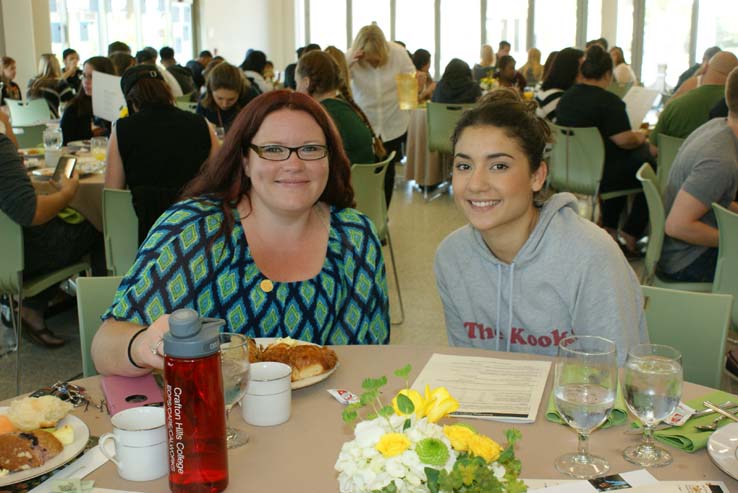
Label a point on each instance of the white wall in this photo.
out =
(233, 27)
(27, 34)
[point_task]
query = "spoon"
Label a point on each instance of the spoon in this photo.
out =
(713, 425)
(728, 405)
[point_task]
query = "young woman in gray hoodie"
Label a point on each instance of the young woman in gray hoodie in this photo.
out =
(521, 276)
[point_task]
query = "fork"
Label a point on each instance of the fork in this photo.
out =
(714, 424)
(728, 405)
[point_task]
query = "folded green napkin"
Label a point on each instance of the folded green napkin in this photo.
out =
(617, 416)
(686, 437)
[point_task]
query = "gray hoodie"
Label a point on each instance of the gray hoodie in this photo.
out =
(569, 277)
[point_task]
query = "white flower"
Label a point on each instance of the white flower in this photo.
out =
(498, 471)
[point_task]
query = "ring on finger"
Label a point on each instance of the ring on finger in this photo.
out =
(155, 348)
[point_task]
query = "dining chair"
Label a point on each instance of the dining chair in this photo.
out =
(16, 288)
(726, 271)
(187, 106)
(657, 220)
(184, 98)
(94, 296)
(120, 231)
(620, 90)
(368, 184)
(26, 113)
(441, 122)
(29, 135)
(696, 324)
(668, 149)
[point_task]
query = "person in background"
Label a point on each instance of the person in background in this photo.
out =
(228, 91)
(704, 172)
(11, 90)
(503, 49)
(72, 74)
(563, 74)
(456, 84)
(533, 70)
(374, 62)
(157, 149)
(182, 74)
(516, 247)
(508, 76)
(318, 76)
(601, 42)
(49, 84)
(426, 85)
(486, 66)
(118, 47)
(217, 60)
(269, 74)
(148, 56)
(622, 73)
(276, 202)
(197, 65)
(549, 62)
(289, 70)
(697, 68)
(121, 61)
(78, 122)
(589, 104)
(253, 67)
(49, 242)
(340, 58)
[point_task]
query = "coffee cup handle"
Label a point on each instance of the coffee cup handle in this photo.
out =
(103, 449)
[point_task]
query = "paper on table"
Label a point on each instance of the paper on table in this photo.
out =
(638, 101)
(107, 97)
(88, 462)
(639, 481)
(488, 388)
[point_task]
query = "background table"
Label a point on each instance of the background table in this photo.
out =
(300, 454)
(417, 152)
(87, 201)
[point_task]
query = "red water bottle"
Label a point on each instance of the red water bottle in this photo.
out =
(195, 407)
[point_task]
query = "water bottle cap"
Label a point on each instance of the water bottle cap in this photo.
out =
(190, 336)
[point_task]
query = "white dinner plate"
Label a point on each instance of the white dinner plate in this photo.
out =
(722, 447)
(32, 152)
(77, 145)
(81, 435)
(43, 174)
(305, 382)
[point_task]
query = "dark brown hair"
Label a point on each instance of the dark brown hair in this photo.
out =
(82, 103)
(225, 76)
(223, 177)
(148, 92)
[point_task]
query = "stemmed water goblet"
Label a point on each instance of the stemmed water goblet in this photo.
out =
(234, 354)
(652, 387)
(585, 385)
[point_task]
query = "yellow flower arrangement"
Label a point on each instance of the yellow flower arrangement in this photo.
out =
(392, 444)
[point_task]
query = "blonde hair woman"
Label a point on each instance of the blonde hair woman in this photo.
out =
(533, 70)
(373, 63)
(49, 84)
(486, 65)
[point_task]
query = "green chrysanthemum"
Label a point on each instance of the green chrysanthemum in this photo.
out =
(432, 451)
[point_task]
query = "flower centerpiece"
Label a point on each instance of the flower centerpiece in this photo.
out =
(400, 447)
(488, 83)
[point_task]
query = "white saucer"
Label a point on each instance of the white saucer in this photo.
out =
(722, 447)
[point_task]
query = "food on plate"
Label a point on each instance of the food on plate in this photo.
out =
(65, 434)
(22, 450)
(5, 425)
(33, 152)
(306, 360)
(31, 413)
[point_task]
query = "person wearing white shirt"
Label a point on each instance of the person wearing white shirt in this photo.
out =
(374, 63)
(253, 67)
(622, 73)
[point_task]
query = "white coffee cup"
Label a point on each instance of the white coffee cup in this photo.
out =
(140, 438)
(268, 399)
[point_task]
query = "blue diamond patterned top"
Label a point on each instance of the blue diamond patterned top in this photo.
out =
(184, 263)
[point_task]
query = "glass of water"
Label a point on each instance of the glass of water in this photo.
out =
(53, 137)
(234, 354)
(585, 385)
(652, 388)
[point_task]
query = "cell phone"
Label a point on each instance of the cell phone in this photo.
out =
(65, 166)
(126, 392)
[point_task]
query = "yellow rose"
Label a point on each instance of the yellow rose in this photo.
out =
(439, 403)
(416, 399)
(458, 436)
(484, 447)
(392, 444)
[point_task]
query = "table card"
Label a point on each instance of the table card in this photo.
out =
(639, 481)
(107, 97)
(488, 388)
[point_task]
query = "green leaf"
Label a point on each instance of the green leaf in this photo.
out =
(373, 383)
(404, 371)
(432, 475)
(386, 411)
(371, 416)
(404, 404)
(513, 435)
(406, 424)
(367, 397)
(349, 415)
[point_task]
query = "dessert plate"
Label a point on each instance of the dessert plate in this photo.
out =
(305, 382)
(722, 447)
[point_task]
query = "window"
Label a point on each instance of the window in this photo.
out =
(716, 26)
(594, 20)
(508, 21)
(666, 40)
(324, 29)
(555, 27)
(624, 37)
(365, 13)
(415, 24)
(460, 31)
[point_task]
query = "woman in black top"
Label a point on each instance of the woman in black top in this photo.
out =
(49, 84)
(456, 84)
(227, 92)
(11, 90)
(78, 122)
(157, 149)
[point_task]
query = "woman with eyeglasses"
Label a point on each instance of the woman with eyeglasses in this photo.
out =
(78, 122)
(266, 239)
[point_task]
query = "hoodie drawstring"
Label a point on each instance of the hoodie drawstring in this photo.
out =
(510, 305)
(499, 299)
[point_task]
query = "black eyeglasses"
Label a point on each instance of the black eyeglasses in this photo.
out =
(276, 152)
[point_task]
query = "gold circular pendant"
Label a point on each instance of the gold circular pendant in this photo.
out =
(266, 285)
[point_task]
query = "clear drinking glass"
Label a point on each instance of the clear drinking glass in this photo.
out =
(220, 133)
(98, 148)
(585, 385)
(652, 387)
(52, 137)
(234, 354)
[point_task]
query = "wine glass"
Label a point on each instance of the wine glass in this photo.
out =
(652, 388)
(234, 359)
(585, 384)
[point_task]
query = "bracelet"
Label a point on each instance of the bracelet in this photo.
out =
(130, 345)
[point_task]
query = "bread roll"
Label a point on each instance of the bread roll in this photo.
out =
(279, 352)
(26, 449)
(309, 361)
(32, 413)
